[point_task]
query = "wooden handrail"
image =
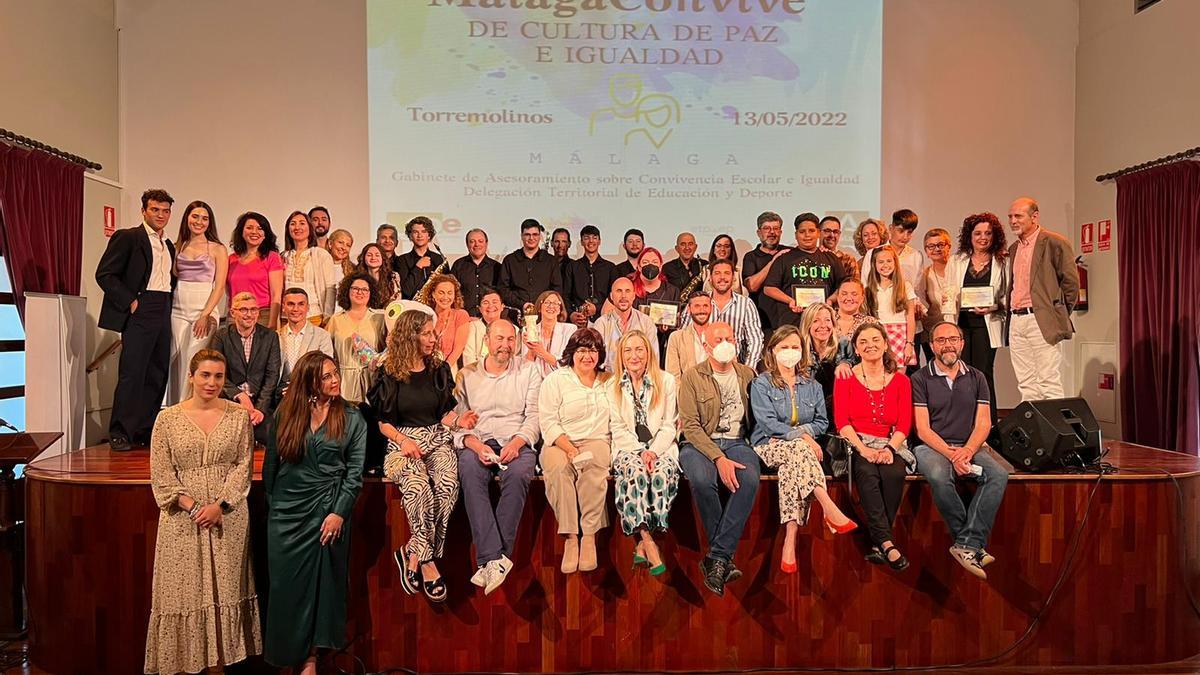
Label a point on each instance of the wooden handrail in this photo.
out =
(95, 365)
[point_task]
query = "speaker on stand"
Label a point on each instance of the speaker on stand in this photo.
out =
(1057, 433)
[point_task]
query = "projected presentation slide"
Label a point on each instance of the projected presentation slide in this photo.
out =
(666, 115)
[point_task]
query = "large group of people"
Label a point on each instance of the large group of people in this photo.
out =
(804, 361)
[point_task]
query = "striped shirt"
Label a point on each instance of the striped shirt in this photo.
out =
(740, 313)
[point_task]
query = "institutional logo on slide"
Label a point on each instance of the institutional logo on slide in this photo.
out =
(658, 112)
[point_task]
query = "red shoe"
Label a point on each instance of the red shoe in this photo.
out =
(849, 526)
(787, 568)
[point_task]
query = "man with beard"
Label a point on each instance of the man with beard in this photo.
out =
(318, 217)
(634, 242)
(682, 270)
(588, 279)
(953, 418)
(736, 310)
(502, 393)
(386, 237)
(758, 263)
(831, 240)
(685, 347)
(622, 319)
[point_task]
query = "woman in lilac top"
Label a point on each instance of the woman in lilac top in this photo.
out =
(201, 262)
(255, 266)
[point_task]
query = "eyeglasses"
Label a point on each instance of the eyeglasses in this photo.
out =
(584, 351)
(943, 341)
(935, 247)
(826, 230)
(359, 289)
(245, 310)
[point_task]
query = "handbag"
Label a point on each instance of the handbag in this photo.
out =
(837, 456)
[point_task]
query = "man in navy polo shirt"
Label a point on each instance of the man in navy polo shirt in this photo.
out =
(953, 418)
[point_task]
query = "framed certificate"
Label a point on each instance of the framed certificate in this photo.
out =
(978, 296)
(806, 296)
(664, 313)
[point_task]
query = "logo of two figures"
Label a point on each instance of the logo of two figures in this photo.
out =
(655, 114)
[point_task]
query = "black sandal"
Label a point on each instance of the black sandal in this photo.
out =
(899, 564)
(875, 556)
(409, 581)
(435, 590)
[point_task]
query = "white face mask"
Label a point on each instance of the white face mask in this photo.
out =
(788, 358)
(724, 352)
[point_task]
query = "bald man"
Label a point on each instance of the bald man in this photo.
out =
(1044, 290)
(622, 319)
(687, 266)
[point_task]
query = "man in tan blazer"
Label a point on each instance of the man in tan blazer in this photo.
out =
(1045, 288)
(685, 347)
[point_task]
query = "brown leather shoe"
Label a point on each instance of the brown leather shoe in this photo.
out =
(570, 559)
(587, 553)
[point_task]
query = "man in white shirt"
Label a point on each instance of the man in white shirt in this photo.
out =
(622, 319)
(298, 336)
(137, 276)
(502, 392)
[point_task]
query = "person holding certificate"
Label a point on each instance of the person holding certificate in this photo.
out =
(979, 268)
(656, 296)
(805, 275)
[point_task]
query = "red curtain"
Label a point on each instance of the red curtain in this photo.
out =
(41, 222)
(1158, 225)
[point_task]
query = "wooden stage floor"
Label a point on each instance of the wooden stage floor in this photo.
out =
(91, 525)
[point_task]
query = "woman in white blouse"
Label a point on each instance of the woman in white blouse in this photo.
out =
(573, 410)
(552, 332)
(310, 267)
(645, 460)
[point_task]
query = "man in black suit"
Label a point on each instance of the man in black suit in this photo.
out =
(137, 276)
(252, 359)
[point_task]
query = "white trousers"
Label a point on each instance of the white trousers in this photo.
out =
(1037, 364)
(190, 297)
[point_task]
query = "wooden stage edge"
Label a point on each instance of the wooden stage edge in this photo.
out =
(91, 524)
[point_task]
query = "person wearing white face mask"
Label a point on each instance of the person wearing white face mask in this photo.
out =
(715, 418)
(789, 413)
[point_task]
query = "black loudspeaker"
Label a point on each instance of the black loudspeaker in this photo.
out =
(1056, 433)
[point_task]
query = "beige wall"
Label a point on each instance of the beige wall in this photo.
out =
(61, 56)
(978, 108)
(1137, 97)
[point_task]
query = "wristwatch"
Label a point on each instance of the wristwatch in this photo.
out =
(226, 507)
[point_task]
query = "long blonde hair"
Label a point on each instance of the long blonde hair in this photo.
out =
(404, 346)
(899, 287)
(814, 353)
(652, 369)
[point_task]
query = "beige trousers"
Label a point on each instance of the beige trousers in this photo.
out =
(1037, 365)
(578, 493)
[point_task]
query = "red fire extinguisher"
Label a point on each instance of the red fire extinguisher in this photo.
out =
(1082, 304)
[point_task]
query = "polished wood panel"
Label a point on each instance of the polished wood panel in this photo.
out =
(91, 541)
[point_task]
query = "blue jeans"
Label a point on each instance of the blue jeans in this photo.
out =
(969, 526)
(494, 530)
(722, 525)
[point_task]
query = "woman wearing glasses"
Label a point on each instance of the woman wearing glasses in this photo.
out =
(573, 410)
(937, 289)
(358, 335)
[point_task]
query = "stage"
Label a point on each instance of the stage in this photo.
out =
(91, 523)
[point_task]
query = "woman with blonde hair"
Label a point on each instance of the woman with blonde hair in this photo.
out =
(826, 357)
(339, 244)
(891, 300)
(645, 456)
(413, 399)
(443, 294)
(789, 415)
(870, 234)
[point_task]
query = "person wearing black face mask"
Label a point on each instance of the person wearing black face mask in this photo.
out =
(650, 285)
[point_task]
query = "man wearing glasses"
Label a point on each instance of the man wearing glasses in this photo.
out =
(530, 270)
(953, 419)
(251, 352)
(756, 264)
(831, 240)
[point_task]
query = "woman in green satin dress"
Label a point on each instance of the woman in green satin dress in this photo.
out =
(312, 473)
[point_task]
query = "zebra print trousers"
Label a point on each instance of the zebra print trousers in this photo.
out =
(428, 487)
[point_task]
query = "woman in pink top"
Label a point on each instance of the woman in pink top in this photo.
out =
(873, 412)
(443, 293)
(255, 266)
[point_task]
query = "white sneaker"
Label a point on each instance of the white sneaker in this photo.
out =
(970, 562)
(498, 570)
(480, 576)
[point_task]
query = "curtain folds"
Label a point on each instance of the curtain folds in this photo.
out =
(41, 212)
(1158, 262)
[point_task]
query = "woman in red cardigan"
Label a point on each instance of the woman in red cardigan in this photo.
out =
(873, 412)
